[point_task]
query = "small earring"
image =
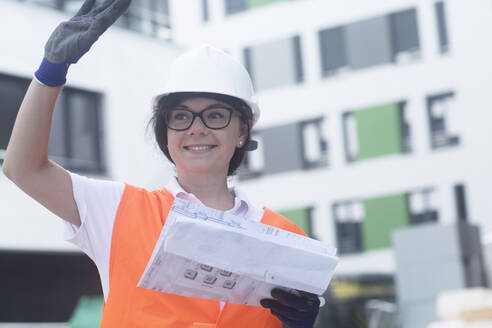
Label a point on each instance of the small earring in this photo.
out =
(240, 143)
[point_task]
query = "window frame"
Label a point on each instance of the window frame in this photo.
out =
(68, 161)
(353, 224)
(405, 128)
(323, 161)
(430, 214)
(442, 26)
(435, 134)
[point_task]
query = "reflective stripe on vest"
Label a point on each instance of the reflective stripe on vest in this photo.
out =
(139, 220)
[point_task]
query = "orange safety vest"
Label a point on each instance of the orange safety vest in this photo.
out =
(139, 220)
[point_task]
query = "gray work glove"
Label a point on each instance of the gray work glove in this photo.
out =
(73, 38)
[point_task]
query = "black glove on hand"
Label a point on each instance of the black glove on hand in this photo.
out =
(73, 38)
(295, 311)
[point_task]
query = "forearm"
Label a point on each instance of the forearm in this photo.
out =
(27, 150)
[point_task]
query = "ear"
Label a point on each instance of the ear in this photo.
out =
(243, 134)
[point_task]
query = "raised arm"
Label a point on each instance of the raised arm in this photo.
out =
(26, 161)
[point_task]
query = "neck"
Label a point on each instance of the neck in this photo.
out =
(210, 189)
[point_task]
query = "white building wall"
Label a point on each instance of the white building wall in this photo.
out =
(128, 69)
(465, 69)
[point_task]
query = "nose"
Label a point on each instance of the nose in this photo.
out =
(197, 127)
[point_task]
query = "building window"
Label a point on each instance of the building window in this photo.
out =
(404, 36)
(205, 16)
(275, 64)
(149, 17)
(315, 144)
(422, 206)
(76, 132)
(237, 6)
(376, 131)
(12, 91)
(441, 111)
(442, 30)
(55, 4)
(253, 164)
(367, 224)
(289, 147)
(370, 42)
(301, 217)
(40, 288)
(348, 218)
(75, 137)
(333, 50)
(460, 201)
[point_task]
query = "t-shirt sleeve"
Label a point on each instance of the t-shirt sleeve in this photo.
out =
(97, 202)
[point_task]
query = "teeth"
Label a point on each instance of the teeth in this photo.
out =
(198, 147)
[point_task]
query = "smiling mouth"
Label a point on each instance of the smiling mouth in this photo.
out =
(198, 148)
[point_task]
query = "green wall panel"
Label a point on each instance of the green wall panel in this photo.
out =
(301, 217)
(259, 3)
(382, 215)
(87, 313)
(378, 131)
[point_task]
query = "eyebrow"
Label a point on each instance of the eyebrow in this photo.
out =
(208, 107)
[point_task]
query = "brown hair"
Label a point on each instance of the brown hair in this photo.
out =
(159, 126)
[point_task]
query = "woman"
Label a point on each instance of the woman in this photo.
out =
(202, 124)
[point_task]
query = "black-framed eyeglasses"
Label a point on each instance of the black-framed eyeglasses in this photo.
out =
(180, 119)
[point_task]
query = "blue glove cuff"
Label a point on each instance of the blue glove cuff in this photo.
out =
(53, 75)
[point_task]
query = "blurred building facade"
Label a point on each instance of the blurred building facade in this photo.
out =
(374, 117)
(99, 130)
(374, 114)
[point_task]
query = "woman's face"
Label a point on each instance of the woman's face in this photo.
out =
(200, 150)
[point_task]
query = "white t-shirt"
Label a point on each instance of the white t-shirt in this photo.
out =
(98, 201)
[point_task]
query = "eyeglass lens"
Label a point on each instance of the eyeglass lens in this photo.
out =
(213, 118)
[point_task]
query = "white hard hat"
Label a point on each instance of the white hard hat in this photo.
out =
(210, 70)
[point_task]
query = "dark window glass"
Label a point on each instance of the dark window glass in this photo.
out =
(460, 201)
(205, 10)
(314, 143)
(296, 43)
(404, 33)
(235, 6)
(12, 91)
(348, 217)
(422, 207)
(442, 30)
(405, 129)
(253, 164)
(368, 42)
(247, 62)
(75, 140)
(441, 111)
(275, 63)
(149, 17)
(44, 287)
(75, 135)
(332, 49)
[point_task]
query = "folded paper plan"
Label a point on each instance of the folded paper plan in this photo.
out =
(206, 253)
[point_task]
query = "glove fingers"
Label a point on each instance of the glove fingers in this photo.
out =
(278, 307)
(106, 18)
(286, 321)
(101, 7)
(86, 7)
(292, 300)
(310, 296)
